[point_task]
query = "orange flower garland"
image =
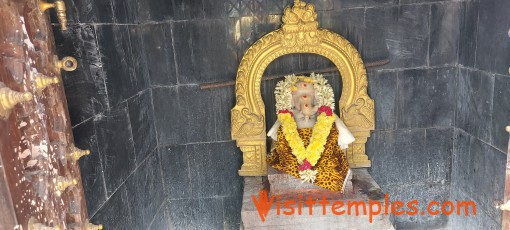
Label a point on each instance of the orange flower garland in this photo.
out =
(320, 133)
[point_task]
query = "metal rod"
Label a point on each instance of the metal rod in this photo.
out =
(265, 78)
(214, 85)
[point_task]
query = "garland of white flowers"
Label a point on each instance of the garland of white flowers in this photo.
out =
(309, 156)
(324, 95)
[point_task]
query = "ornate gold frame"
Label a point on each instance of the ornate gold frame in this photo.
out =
(300, 33)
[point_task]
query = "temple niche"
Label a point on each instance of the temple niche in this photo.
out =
(300, 33)
(314, 151)
(241, 114)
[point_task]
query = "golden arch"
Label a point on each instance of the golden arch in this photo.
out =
(300, 33)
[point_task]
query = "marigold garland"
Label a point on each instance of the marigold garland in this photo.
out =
(309, 156)
(312, 153)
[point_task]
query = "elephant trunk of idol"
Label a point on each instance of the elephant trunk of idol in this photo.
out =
(307, 108)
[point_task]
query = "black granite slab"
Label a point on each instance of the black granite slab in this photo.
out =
(118, 205)
(474, 103)
(382, 87)
(501, 112)
(176, 171)
(125, 11)
(159, 51)
(444, 33)
(203, 213)
(232, 212)
(204, 51)
(480, 174)
(116, 146)
(90, 166)
(350, 23)
(426, 97)
(123, 61)
(406, 32)
(479, 221)
(468, 33)
(405, 157)
(85, 87)
(423, 193)
(145, 191)
(160, 221)
(196, 116)
(141, 117)
(93, 11)
(492, 39)
(202, 170)
(340, 4)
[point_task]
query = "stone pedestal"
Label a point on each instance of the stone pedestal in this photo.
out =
(285, 188)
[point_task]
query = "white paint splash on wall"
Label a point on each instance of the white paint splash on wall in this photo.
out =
(25, 154)
(41, 149)
(31, 163)
(27, 39)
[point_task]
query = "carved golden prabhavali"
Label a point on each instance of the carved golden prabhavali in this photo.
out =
(300, 33)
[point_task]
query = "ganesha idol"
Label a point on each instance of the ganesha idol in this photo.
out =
(308, 137)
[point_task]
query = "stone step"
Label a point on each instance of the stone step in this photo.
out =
(285, 185)
(252, 220)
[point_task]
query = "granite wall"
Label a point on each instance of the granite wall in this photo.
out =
(110, 103)
(162, 155)
(182, 174)
(483, 111)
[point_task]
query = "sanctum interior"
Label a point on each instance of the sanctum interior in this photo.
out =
(171, 114)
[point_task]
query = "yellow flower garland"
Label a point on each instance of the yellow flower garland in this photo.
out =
(319, 137)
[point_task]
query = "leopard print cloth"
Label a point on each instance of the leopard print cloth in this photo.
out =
(332, 166)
